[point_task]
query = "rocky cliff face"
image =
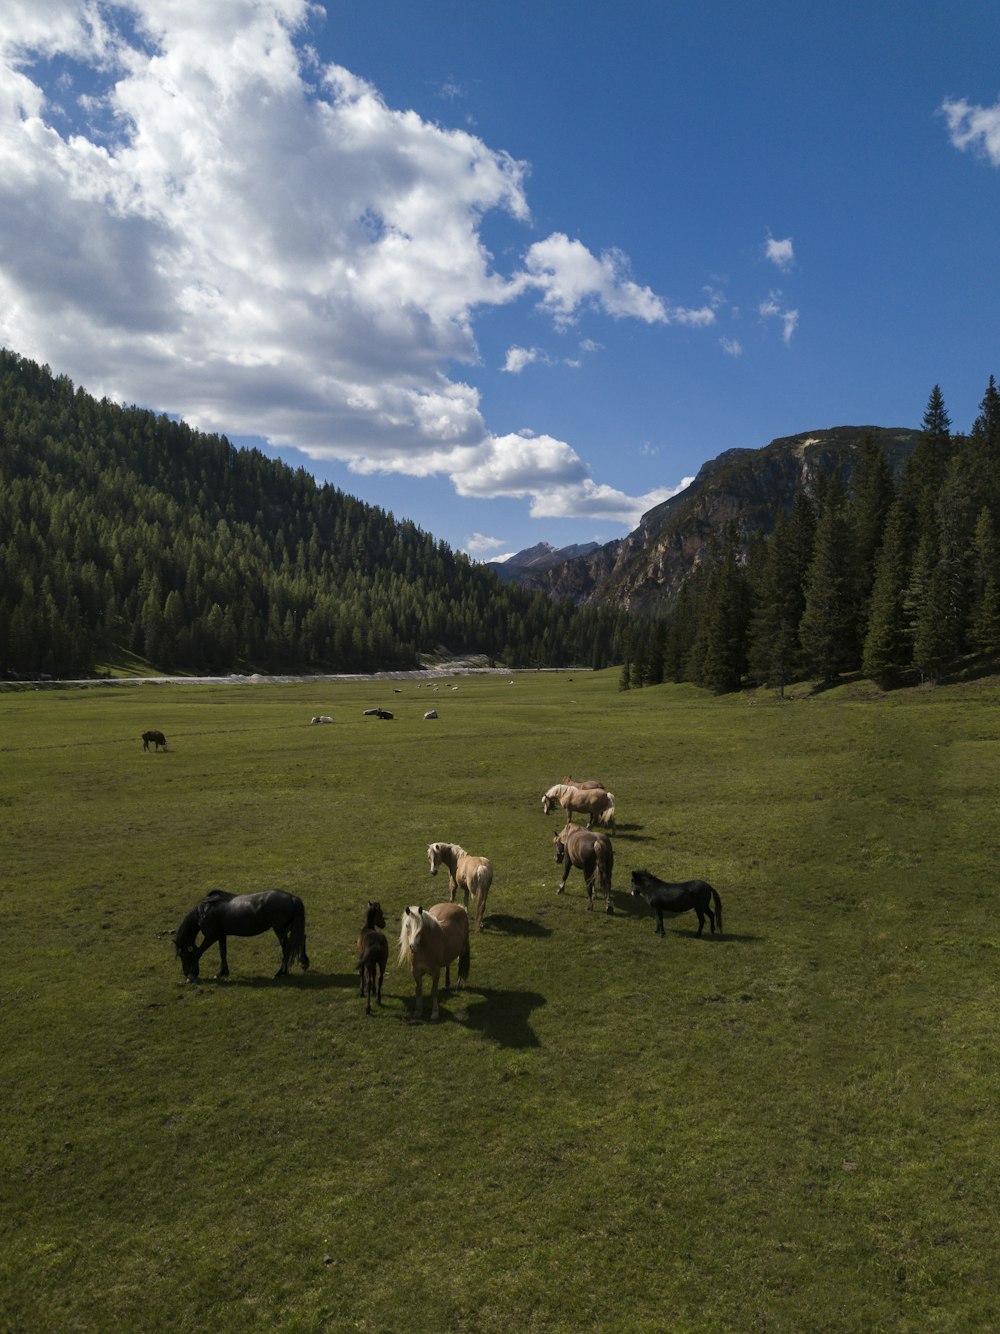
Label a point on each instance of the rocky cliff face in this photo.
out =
(748, 487)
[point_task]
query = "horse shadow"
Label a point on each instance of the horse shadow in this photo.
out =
(311, 981)
(505, 1016)
(730, 937)
(515, 926)
(629, 905)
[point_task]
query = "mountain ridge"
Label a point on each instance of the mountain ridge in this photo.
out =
(644, 570)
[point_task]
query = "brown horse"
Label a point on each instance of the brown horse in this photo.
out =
(472, 875)
(588, 785)
(154, 739)
(592, 854)
(429, 940)
(373, 954)
(594, 802)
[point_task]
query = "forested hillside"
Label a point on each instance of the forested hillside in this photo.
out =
(123, 532)
(898, 579)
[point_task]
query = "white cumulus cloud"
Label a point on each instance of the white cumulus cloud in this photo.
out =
(482, 547)
(771, 308)
(201, 217)
(780, 253)
(519, 357)
(974, 127)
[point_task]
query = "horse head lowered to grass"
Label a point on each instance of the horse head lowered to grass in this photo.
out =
(220, 914)
(431, 939)
(592, 854)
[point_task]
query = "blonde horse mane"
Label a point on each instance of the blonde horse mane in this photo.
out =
(445, 854)
(405, 955)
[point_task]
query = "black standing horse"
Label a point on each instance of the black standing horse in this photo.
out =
(219, 915)
(373, 954)
(663, 896)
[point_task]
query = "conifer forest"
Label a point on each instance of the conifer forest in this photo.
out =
(126, 534)
(897, 578)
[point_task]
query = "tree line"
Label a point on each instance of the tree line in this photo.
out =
(898, 579)
(123, 532)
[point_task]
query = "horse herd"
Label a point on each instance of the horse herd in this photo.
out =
(432, 939)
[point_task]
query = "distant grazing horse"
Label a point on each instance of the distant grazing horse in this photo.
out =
(594, 856)
(373, 954)
(154, 739)
(664, 896)
(588, 785)
(472, 875)
(593, 802)
(428, 941)
(219, 915)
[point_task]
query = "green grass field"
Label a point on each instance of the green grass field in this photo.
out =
(793, 1128)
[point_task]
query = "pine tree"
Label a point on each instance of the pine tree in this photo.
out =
(828, 628)
(985, 632)
(775, 655)
(886, 653)
(722, 638)
(928, 464)
(873, 497)
(934, 631)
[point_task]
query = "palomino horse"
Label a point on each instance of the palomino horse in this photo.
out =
(428, 941)
(472, 875)
(665, 896)
(373, 954)
(219, 915)
(588, 785)
(154, 739)
(594, 856)
(593, 802)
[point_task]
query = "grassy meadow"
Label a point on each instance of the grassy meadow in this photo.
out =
(791, 1128)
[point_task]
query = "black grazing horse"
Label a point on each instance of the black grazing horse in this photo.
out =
(373, 954)
(219, 915)
(154, 739)
(666, 897)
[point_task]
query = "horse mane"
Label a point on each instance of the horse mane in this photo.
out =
(188, 929)
(452, 850)
(218, 896)
(404, 931)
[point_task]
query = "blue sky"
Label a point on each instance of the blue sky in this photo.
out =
(514, 271)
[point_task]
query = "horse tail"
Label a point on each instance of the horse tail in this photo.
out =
(464, 959)
(606, 862)
(718, 908)
(608, 814)
(297, 935)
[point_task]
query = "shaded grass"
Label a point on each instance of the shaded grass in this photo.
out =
(789, 1128)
